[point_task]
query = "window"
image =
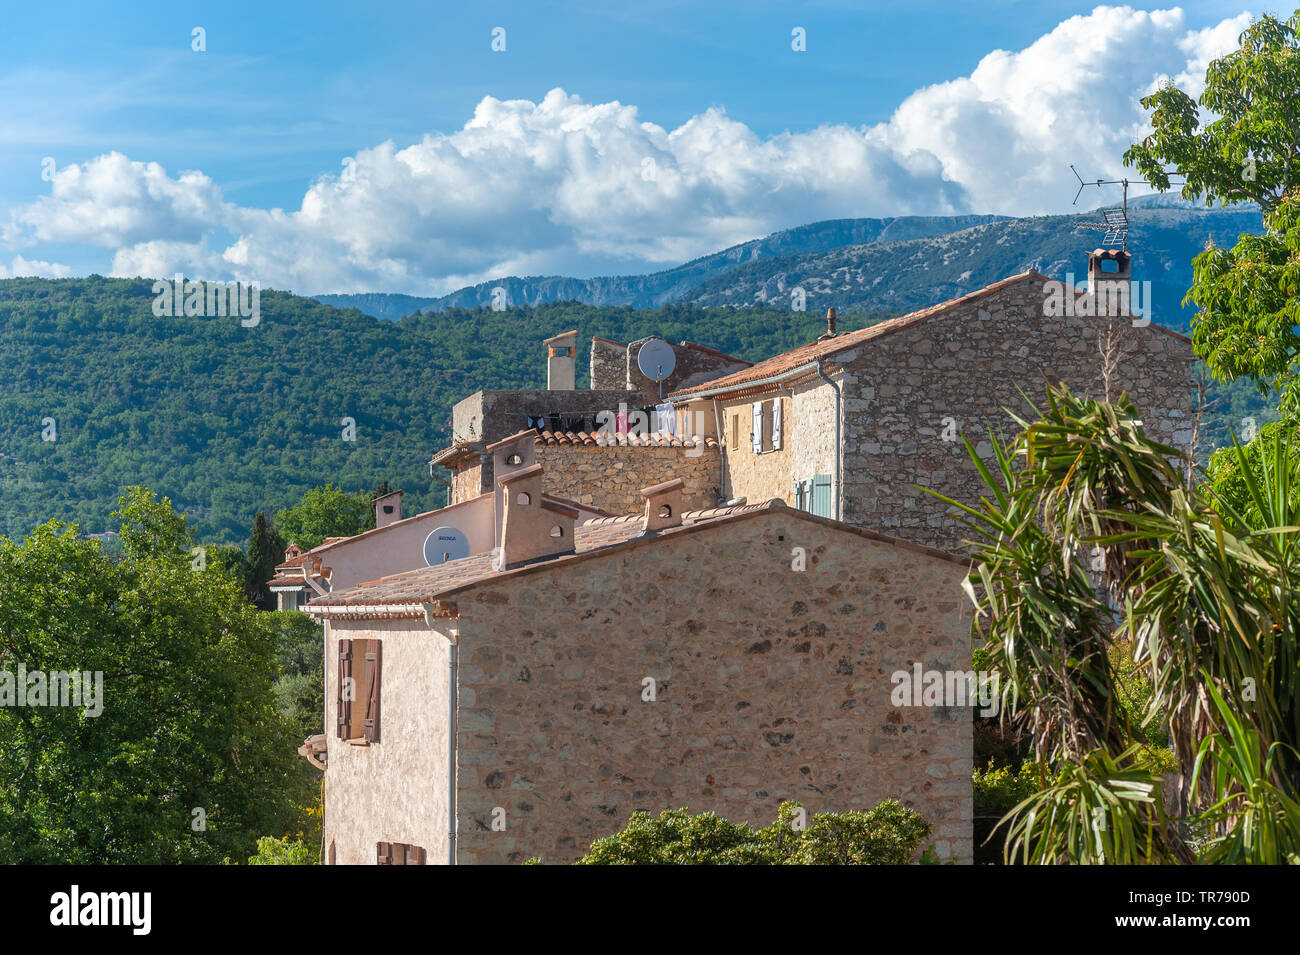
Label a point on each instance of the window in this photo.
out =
(767, 425)
(735, 430)
(557, 530)
(398, 853)
(523, 499)
(814, 495)
(358, 691)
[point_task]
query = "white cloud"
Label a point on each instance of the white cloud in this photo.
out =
(562, 186)
(23, 268)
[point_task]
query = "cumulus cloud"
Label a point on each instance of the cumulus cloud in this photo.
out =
(24, 268)
(569, 187)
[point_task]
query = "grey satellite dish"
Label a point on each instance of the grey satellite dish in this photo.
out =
(656, 359)
(444, 544)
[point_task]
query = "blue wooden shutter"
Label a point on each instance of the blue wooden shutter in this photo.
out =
(821, 495)
(776, 423)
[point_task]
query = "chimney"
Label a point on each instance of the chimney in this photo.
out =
(1108, 268)
(533, 527)
(830, 325)
(560, 361)
(388, 509)
(515, 453)
(663, 505)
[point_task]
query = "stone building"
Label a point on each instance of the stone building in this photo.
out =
(849, 425)
(603, 442)
(524, 704)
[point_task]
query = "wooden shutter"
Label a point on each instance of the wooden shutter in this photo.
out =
(821, 495)
(332, 855)
(776, 423)
(384, 853)
(373, 659)
(414, 855)
(756, 413)
(344, 713)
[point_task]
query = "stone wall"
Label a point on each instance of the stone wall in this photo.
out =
(608, 364)
(611, 478)
(771, 684)
(807, 443)
(470, 480)
(959, 372)
(494, 415)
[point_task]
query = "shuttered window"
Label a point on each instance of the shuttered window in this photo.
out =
(756, 435)
(360, 680)
(776, 424)
(821, 495)
(398, 853)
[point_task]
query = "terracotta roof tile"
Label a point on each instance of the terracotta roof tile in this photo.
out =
(597, 439)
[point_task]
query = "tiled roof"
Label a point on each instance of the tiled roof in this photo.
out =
(596, 439)
(404, 594)
(826, 347)
(282, 580)
(460, 451)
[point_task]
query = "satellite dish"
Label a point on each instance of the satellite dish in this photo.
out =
(444, 544)
(656, 359)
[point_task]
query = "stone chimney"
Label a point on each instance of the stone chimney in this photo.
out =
(388, 509)
(1108, 268)
(560, 361)
(509, 455)
(830, 325)
(663, 505)
(533, 527)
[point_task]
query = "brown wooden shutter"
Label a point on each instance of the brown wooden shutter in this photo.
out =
(332, 855)
(384, 853)
(345, 674)
(414, 855)
(374, 653)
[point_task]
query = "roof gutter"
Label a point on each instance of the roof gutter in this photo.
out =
(806, 369)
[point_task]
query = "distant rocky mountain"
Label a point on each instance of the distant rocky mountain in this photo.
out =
(659, 288)
(874, 265)
(902, 276)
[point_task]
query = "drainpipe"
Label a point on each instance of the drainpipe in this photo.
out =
(722, 454)
(452, 648)
(839, 442)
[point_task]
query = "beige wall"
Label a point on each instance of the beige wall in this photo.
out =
(772, 685)
(394, 790)
(807, 443)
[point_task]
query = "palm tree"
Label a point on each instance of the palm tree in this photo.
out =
(1093, 542)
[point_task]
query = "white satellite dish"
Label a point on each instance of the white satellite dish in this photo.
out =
(656, 359)
(444, 544)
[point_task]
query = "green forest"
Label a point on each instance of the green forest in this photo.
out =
(227, 421)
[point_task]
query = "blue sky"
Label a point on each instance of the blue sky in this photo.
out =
(230, 162)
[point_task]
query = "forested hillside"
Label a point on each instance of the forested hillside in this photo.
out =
(227, 420)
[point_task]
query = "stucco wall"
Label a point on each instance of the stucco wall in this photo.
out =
(967, 364)
(611, 478)
(771, 684)
(394, 790)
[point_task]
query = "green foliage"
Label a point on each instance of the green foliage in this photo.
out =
(1251, 92)
(265, 550)
(1001, 788)
(1098, 553)
(889, 834)
(187, 722)
(325, 512)
(286, 851)
(299, 686)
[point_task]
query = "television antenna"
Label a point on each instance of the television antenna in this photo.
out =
(1114, 220)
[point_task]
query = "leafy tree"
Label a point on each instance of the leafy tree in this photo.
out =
(1250, 151)
(188, 760)
(325, 512)
(286, 851)
(889, 834)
